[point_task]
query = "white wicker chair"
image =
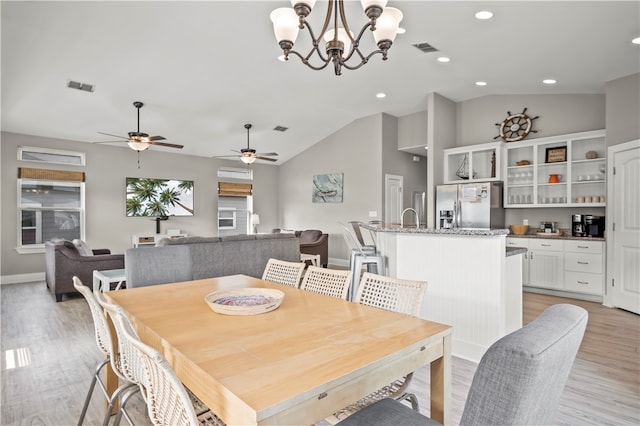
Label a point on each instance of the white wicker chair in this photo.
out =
(168, 401)
(103, 339)
(281, 272)
(405, 297)
(329, 282)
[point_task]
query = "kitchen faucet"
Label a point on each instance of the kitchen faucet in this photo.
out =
(402, 217)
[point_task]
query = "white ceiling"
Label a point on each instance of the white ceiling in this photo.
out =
(204, 69)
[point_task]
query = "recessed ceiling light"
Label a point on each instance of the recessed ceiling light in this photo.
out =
(401, 30)
(281, 58)
(549, 81)
(636, 40)
(481, 83)
(484, 14)
(381, 95)
(443, 59)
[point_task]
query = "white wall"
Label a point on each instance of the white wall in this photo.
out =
(623, 109)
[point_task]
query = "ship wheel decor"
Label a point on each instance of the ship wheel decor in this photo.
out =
(516, 127)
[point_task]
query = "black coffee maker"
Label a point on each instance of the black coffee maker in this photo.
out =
(593, 225)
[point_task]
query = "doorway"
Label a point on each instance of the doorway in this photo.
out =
(623, 225)
(392, 198)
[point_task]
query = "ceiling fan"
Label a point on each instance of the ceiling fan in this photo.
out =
(249, 155)
(139, 141)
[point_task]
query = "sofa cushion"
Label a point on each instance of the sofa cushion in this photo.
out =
(185, 240)
(310, 236)
(82, 248)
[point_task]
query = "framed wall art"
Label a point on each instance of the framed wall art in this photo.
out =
(556, 155)
(327, 188)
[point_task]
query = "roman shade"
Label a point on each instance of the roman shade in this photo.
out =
(235, 189)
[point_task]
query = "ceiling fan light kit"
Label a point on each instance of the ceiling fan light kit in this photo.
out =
(340, 44)
(248, 155)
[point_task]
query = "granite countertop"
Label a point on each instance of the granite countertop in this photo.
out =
(512, 251)
(409, 229)
(562, 236)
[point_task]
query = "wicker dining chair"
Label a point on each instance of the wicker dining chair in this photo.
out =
(393, 294)
(281, 272)
(168, 401)
(104, 341)
(330, 282)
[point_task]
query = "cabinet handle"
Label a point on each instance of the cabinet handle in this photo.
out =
(545, 245)
(583, 282)
(583, 246)
(583, 263)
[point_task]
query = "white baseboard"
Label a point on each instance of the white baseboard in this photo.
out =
(22, 278)
(338, 262)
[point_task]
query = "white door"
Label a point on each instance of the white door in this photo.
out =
(626, 226)
(393, 198)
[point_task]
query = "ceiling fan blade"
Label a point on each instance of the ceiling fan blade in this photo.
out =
(157, 138)
(170, 145)
(268, 154)
(112, 141)
(266, 158)
(115, 136)
(226, 156)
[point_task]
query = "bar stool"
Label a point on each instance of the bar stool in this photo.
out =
(359, 258)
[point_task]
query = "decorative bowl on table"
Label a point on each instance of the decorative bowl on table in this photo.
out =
(519, 229)
(244, 301)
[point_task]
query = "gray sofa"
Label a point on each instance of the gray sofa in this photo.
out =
(192, 258)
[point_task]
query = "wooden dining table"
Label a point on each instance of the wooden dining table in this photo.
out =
(297, 364)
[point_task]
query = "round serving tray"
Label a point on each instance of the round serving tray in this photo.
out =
(244, 301)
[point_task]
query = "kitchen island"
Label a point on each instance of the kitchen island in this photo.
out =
(474, 282)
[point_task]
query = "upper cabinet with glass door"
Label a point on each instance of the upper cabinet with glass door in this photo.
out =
(558, 171)
(474, 163)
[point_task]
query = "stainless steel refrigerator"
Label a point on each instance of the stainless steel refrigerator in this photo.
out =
(471, 206)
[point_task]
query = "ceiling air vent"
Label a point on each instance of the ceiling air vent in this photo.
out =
(80, 86)
(425, 47)
(280, 129)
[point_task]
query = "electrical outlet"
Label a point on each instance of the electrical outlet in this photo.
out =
(525, 221)
(373, 213)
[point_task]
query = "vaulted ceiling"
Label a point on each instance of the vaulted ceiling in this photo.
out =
(205, 68)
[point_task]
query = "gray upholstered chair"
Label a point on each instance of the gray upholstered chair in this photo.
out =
(519, 380)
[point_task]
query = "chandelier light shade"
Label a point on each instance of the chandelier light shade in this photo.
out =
(336, 42)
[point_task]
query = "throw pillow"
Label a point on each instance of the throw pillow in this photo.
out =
(82, 247)
(310, 236)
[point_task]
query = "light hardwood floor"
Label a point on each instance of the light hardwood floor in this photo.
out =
(49, 353)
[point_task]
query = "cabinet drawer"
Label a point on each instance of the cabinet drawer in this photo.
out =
(542, 244)
(579, 262)
(517, 242)
(583, 283)
(583, 246)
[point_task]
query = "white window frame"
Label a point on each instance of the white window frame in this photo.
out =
(39, 247)
(22, 150)
(232, 218)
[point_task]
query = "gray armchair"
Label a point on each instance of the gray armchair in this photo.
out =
(519, 380)
(62, 262)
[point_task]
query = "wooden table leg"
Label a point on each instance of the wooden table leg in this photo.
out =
(441, 385)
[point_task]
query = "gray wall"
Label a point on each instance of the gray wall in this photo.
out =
(623, 109)
(364, 151)
(107, 167)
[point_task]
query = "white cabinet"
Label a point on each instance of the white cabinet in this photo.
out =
(576, 266)
(476, 163)
(150, 240)
(577, 160)
(584, 266)
(524, 243)
(546, 263)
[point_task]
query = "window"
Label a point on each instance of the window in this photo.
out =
(226, 218)
(47, 155)
(49, 208)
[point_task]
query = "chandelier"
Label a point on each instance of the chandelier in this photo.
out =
(341, 47)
